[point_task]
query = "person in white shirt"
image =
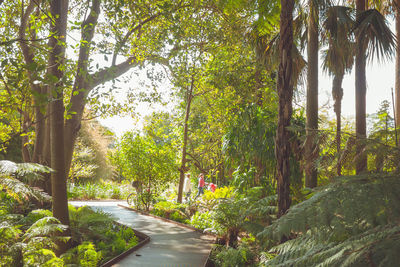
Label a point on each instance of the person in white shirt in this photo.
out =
(187, 186)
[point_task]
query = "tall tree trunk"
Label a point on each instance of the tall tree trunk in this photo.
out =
(311, 149)
(337, 94)
(360, 95)
(397, 73)
(285, 94)
(182, 169)
(59, 11)
(82, 84)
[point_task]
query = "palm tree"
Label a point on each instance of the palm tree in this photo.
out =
(338, 58)
(311, 149)
(285, 94)
(372, 36)
(360, 89)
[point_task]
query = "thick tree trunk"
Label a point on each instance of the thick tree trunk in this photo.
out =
(285, 94)
(59, 11)
(337, 94)
(360, 95)
(397, 73)
(311, 149)
(182, 169)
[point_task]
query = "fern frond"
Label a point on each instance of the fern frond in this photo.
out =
(27, 171)
(346, 207)
(20, 191)
(47, 226)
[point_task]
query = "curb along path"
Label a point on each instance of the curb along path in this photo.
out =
(170, 244)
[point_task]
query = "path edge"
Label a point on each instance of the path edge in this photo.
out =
(208, 262)
(145, 239)
(167, 220)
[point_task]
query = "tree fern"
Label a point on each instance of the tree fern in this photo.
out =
(351, 222)
(12, 176)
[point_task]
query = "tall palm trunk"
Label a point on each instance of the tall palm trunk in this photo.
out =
(56, 60)
(397, 73)
(311, 149)
(285, 94)
(337, 94)
(182, 169)
(360, 95)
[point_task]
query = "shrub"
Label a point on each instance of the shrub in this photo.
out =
(83, 255)
(227, 257)
(167, 208)
(203, 221)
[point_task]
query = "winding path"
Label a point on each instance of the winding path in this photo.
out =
(170, 244)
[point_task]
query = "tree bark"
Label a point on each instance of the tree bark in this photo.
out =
(360, 96)
(59, 11)
(39, 105)
(182, 169)
(82, 83)
(285, 94)
(397, 72)
(337, 94)
(311, 148)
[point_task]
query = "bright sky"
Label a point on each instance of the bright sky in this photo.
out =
(380, 80)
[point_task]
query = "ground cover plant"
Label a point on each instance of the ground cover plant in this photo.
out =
(99, 190)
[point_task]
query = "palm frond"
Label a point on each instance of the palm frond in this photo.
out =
(372, 28)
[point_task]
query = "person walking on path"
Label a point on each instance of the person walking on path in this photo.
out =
(187, 186)
(201, 185)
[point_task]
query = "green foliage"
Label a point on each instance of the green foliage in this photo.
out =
(210, 199)
(204, 221)
(229, 257)
(89, 159)
(98, 227)
(84, 255)
(351, 222)
(250, 142)
(99, 190)
(147, 160)
(12, 181)
(30, 241)
(170, 210)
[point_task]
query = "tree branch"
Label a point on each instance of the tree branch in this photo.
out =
(128, 34)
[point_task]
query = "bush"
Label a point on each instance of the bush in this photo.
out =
(227, 257)
(84, 255)
(166, 209)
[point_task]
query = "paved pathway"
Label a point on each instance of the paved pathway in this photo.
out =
(170, 244)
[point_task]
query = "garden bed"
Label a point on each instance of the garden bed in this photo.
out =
(144, 239)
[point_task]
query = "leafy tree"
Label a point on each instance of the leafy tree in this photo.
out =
(150, 160)
(60, 85)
